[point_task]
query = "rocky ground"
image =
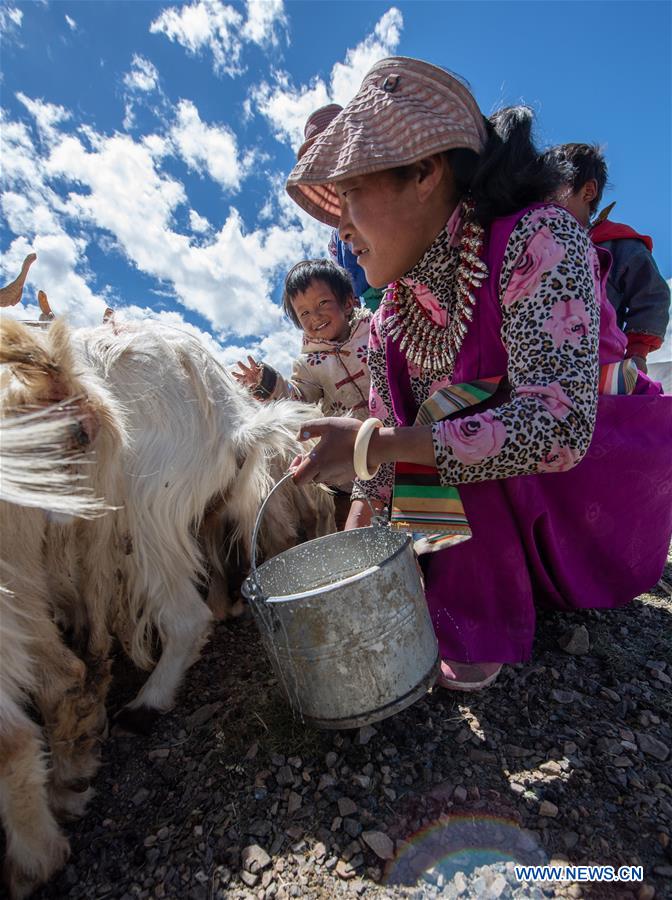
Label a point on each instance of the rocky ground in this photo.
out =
(567, 758)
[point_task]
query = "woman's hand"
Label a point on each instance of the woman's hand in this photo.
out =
(331, 460)
(250, 374)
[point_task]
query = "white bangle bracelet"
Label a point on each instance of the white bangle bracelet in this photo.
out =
(362, 447)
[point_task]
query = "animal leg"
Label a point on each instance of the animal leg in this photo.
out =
(184, 626)
(35, 846)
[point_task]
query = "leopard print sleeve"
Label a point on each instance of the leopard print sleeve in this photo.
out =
(550, 329)
(380, 406)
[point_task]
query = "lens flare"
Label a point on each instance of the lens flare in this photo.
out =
(461, 843)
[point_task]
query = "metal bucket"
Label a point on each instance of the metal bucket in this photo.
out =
(345, 624)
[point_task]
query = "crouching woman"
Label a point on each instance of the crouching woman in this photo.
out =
(504, 410)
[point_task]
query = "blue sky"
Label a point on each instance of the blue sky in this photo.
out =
(145, 144)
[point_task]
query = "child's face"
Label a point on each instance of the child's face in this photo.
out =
(321, 314)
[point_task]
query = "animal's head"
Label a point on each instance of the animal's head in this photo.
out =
(40, 369)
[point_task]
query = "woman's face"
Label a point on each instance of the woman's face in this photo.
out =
(389, 222)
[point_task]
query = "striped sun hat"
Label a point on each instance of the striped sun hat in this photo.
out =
(405, 110)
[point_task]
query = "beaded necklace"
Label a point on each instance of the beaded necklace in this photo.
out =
(426, 343)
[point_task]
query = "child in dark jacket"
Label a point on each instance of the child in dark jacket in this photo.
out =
(635, 287)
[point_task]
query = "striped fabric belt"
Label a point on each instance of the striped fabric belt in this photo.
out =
(433, 512)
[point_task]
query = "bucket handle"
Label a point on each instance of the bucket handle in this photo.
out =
(257, 524)
(376, 520)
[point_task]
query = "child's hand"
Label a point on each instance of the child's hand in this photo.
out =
(250, 374)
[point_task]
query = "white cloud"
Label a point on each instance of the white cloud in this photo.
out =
(142, 79)
(263, 18)
(287, 107)
(205, 24)
(11, 19)
(215, 26)
(143, 75)
(61, 195)
(198, 224)
(72, 25)
(206, 148)
(47, 115)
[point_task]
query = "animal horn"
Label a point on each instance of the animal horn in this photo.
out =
(11, 294)
(46, 315)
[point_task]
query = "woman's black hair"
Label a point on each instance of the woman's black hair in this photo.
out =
(301, 276)
(510, 173)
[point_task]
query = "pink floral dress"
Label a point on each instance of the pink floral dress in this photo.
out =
(550, 331)
(568, 492)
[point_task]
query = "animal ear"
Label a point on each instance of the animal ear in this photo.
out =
(42, 362)
(25, 353)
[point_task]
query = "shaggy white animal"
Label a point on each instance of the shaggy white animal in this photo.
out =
(174, 438)
(37, 473)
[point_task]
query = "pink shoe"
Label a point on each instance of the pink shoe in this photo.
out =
(457, 676)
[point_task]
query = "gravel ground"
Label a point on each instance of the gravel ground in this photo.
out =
(566, 758)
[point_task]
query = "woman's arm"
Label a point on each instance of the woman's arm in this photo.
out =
(360, 514)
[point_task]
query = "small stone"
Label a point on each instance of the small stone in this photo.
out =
(150, 840)
(365, 734)
(664, 840)
(344, 870)
(551, 767)
(517, 787)
(295, 762)
(380, 843)
(646, 892)
(203, 715)
(346, 806)
(460, 883)
(319, 851)
(364, 781)
(159, 753)
(140, 796)
(610, 695)
(326, 781)
(622, 762)
(277, 760)
(330, 863)
(548, 809)
(293, 802)
(497, 887)
(576, 642)
(575, 891)
(285, 776)
(249, 878)
(331, 759)
(252, 751)
(352, 827)
(666, 871)
(259, 828)
(460, 794)
(163, 833)
(254, 858)
(652, 746)
(564, 697)
(570, 839)
(442, 791)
